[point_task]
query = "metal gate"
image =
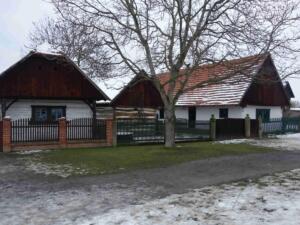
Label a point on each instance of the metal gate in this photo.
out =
(138, 131)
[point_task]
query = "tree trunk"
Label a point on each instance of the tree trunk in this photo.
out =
(170, 127)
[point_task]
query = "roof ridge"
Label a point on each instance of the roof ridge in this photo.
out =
(211, 65)
(47, 53)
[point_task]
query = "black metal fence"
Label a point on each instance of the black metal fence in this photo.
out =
(86, 129)
(191, 130)
(281, 126)
(25, 130)
(134, 131)
(138, 131)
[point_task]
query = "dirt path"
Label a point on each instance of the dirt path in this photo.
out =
(26, 198)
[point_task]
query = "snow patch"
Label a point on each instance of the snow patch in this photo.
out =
(289, 136)
(63, 171)
(33, 164)
(272, 200)
(233, 141)
(281, 142)
(29, 152)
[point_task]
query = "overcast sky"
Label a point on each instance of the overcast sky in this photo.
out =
(16, 21)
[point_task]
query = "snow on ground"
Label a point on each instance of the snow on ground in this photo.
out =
(63, 207)
(282, 142)
(235, 141)
(64, 170)
(269, 200)
(33, 164)
(289, 136)
(29, 152)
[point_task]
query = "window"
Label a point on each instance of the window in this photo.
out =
(263, 113)
(47, 113)
(223, 113)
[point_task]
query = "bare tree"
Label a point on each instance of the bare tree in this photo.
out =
(295, 104)
(80, 43)
(151, 36)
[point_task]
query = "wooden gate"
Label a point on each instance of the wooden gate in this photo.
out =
(234, 128)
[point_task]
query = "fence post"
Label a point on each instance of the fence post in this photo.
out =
(260, 127)
(110, 132)
(212, 127)
(62, 130)
(114, 132)
(114, 129)
(247, 126)
(284, 123)
(6, 132)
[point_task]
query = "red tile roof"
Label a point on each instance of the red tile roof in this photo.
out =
(234, 76)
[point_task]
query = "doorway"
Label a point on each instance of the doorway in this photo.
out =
(192, 117)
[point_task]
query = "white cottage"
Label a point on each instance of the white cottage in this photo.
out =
(43, 87)
(254, 88)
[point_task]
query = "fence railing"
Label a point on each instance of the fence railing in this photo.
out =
(140, 131)
(86, 129)
(191, 130)
(136, 131)
(281, 125)
(25, 130)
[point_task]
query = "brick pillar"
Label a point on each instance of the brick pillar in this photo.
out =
(110, 133)
(62, 126)
(6, 132)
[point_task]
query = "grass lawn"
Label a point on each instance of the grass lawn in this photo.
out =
(92, 161)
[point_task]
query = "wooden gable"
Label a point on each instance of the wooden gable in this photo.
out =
(139, 93)
(47, 76)
(266, 88)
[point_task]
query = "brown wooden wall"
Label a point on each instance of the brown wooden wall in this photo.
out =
(40, 77)
(141, 94)
(267, 89)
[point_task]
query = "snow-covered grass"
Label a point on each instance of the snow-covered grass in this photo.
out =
(64, 170)
(269, 200)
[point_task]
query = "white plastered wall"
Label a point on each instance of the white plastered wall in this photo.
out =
(74, 108)
(204, 113)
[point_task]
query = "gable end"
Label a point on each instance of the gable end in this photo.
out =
(266, 88)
